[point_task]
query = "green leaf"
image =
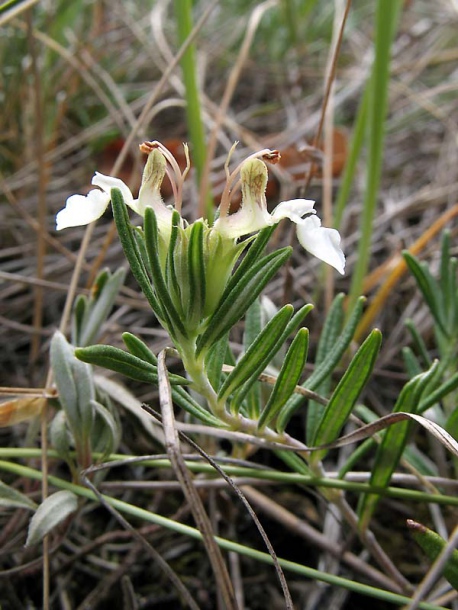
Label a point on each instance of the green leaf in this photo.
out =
(60, 437)
(106, 434)
(288, 378)
(75, 385)
(433, 545)
(138, 348)
(291, 327)
(105, 291)
(259, 354)
(327, 367)
(12, 498)
(185, 401)
(116, 359)
(52, 511)
(344, 397)
(429, 289)
(174, 322)
(329, 335)
(214, 361)
(394, 440)
(235, 304)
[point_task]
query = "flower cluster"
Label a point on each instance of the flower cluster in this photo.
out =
(252, 216)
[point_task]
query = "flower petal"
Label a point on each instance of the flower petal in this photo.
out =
(321, 242)
(294, 209)
(248, 219)
(106, 183)
(81, 210)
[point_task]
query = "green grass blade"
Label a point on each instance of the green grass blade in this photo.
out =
(386, 18)
(183, 12)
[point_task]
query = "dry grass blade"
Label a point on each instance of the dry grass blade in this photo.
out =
(176, 458)
(243, 499)
(157, 557)
(388, 420)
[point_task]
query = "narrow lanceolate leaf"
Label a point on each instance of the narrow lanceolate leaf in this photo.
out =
(116, 359)
(169, 311)
(74, 383)
(291, 327)
(347, 392)
(214, 361)
(390, 450)
(429, 288)
(12, 498)
(138, 348)
(329, 335)
(433, 545)
(51, 512)
(259, 354)
(326, 368)
(288, 377)
(234, 305)
(106, 287)
(131, 250)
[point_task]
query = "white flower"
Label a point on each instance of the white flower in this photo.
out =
(81, 210)
(254, 216)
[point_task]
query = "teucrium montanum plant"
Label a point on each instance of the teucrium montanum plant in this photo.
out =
(186, 271)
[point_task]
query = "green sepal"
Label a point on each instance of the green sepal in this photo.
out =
(153, 247)
(235, 303)
(259, 354)
(196, 273)
(288, 378)
(130, 248)
(173, 283)
(253, 254)
(343, 399)
(433, 545)
(127, 364)
(138, 348)
(327, 367)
